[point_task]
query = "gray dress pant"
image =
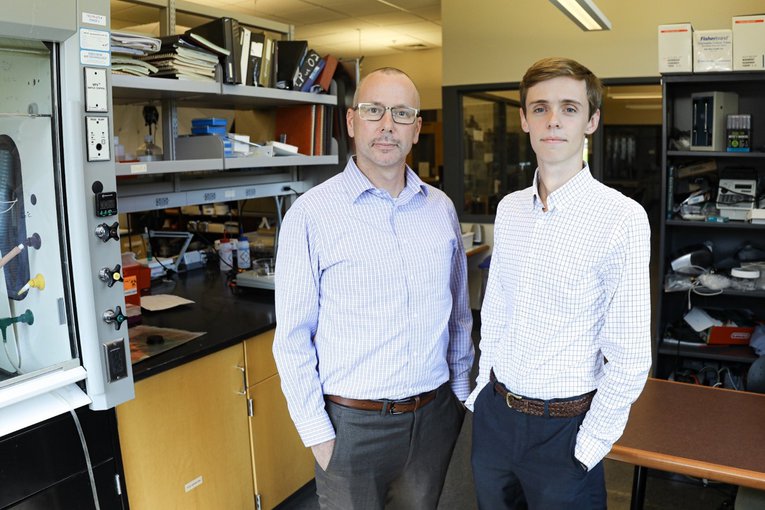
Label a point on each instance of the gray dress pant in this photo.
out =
(393, 461)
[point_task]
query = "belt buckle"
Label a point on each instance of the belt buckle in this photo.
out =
(510, 395)
(390, 406)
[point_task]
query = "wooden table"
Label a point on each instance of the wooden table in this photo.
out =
(694, 430)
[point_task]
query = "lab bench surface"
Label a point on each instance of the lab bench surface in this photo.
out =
(225, 317)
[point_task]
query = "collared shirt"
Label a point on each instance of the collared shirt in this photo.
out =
(566, 288)
(371, 297)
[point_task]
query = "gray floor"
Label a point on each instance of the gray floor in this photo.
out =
(661, 493)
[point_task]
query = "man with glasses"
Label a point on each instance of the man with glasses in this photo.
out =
(373, 322)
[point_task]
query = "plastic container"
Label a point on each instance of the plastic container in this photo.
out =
(744, 278)
(243, 253)
(149, 151)
(225, 255)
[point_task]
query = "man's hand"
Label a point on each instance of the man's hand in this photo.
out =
(323, 452)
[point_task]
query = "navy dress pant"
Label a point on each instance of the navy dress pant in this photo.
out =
(522, 461)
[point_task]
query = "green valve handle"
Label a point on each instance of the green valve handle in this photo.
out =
(26, 318)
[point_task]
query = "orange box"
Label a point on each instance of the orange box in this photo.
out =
(729, 335)
(136, 280)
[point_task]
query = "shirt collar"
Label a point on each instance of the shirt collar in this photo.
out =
(572, 192)
(357, 184)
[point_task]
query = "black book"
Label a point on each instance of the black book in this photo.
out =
(289, 56)
(224, 32)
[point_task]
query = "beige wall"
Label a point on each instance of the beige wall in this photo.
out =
(494, 41)
(424, 66)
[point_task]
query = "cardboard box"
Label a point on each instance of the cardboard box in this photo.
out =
(749, 43)
(676, 48)
(712, 51)
(729, 335)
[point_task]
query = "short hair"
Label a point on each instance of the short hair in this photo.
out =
(386, 70)
(556, 67)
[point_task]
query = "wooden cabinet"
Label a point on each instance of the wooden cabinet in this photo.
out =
(281, 464)
(683, 228)
(184, 437)
(188, 440)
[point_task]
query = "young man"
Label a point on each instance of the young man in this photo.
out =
(565, 337)
(373, 322)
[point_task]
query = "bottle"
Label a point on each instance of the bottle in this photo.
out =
(119, 150)
(149, 151)
(243, 253)
(225, 256)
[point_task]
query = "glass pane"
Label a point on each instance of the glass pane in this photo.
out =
(498, 156)
(34, 327)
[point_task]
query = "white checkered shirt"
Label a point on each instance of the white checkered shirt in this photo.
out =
(567, 288)
(371, 297)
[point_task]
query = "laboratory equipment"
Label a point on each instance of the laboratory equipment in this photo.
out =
(61, 349)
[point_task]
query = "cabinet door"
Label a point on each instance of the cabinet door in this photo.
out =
(260, 358)
(184, 438)
(281, 463)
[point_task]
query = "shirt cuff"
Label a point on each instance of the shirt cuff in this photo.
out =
(461, 388)
(470, 402)
(315, 430)
(589, 450)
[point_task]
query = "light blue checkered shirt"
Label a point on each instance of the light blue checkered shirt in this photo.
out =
(566, 288)
(371, 297)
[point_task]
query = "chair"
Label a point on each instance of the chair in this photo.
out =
(746, 498)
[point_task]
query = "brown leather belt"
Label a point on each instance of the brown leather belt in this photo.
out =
(555, 408)
(406, 405)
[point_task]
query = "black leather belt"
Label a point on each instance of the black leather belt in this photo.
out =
(406, 405)
(554, 408)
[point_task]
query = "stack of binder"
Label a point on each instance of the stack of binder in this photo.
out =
(182, 60)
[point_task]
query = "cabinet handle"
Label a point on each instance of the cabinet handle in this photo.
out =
(244, 380)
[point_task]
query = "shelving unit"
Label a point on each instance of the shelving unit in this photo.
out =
(208, 180)
(726, 238)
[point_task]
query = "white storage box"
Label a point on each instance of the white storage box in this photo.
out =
(676, 48)
(712, 51)
(749, 43)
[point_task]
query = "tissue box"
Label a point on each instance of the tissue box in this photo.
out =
(749, 43)
(712, 51)
(676, 48)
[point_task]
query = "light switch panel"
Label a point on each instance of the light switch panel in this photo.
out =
(97, 135)
(95, 90)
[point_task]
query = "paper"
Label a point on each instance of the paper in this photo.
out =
(158, 302)
(162, 339)
(700, 320)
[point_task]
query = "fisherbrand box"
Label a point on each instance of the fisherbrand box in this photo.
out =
(676, 48)
(749, 43)
(712, 50)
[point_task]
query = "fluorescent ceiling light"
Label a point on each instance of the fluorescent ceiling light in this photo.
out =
(584, 13)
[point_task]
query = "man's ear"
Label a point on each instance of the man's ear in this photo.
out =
(524, 124)
(592, 124)
(349, 121)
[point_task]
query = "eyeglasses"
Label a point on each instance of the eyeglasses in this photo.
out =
(375, 112)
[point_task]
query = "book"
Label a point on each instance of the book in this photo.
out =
(295, 125)
(257, 44)
(325, 77)
(224, 32)
(267, 64)
(289, 56)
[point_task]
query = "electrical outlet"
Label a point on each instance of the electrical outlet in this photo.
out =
(97, 134)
